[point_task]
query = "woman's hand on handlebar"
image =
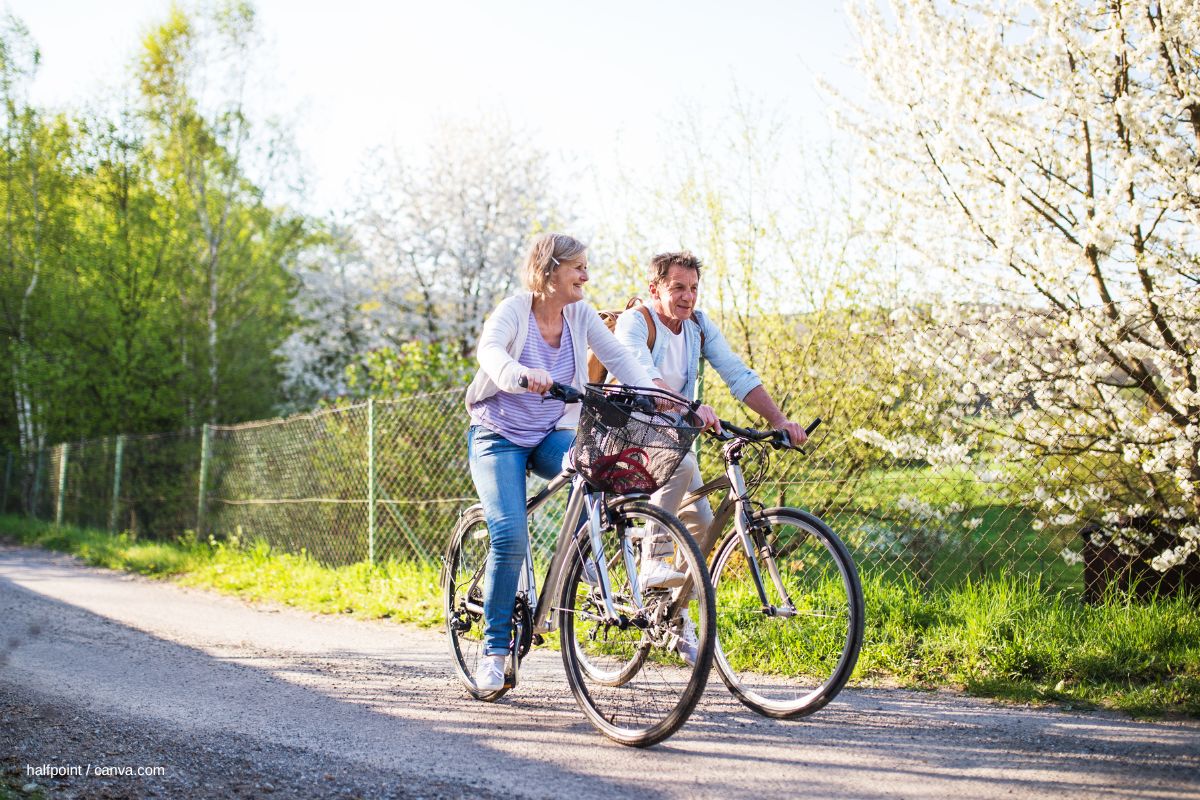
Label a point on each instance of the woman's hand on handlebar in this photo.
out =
(559, 391)
(537, 381)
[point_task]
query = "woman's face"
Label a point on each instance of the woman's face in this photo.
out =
(568, 279)
(675, 296)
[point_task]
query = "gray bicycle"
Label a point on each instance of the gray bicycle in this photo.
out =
(618, 639)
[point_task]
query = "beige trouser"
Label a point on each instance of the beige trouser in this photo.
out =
(697, 517)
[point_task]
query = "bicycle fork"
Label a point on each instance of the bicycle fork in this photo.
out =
(748, 532)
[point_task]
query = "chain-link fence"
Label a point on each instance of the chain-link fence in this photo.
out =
(951, 449)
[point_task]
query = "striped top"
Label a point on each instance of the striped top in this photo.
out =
(524, 418)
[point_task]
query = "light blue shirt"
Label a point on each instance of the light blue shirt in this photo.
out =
(632, 332)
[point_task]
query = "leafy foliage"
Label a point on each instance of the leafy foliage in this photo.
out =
(146, 280)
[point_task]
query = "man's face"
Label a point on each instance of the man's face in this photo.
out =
(675, 296)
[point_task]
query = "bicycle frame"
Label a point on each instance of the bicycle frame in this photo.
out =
(581, 498)
(737, 501)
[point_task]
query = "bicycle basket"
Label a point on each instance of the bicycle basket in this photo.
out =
(623, 447)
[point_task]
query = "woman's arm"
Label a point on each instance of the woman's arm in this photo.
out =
(499, 332)
(619, 360)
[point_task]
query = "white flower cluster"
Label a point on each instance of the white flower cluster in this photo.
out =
(1043, 154)
(1175, 556)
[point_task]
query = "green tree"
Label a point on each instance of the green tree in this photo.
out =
(233, 276)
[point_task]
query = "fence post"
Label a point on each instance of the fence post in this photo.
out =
(8, 461)
(39, 477)
(204, 447)
(64, 451)
(116, 495)
(371, 480)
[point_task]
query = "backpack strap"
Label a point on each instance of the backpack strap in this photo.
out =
(696, 315)
(652, 331)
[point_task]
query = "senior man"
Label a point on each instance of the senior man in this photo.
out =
(683, 336)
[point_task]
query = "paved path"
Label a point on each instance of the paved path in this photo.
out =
(379, 700)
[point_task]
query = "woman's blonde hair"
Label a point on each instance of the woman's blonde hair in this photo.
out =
(546, 254)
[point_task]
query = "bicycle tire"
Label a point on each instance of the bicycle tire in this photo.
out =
(462, 579)
(657, 690)
(788, 666)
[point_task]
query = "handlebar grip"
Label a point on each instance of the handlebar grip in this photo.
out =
(812, 426)
(559, 391)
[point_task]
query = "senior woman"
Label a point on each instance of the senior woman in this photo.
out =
(541, 335)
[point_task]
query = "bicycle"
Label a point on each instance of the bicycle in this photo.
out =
(787, 645)
(617, 640)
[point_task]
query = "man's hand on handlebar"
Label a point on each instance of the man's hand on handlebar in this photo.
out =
(537, 381)
(708, 419)
(794, 430)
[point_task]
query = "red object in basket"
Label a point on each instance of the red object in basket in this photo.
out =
(624, 472)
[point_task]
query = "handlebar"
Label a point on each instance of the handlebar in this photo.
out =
(559, 391)
(777, 439)
(631, 397)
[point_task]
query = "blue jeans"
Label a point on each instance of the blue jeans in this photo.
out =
(498, 470)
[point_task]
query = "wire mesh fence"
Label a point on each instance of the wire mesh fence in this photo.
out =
(951, 449)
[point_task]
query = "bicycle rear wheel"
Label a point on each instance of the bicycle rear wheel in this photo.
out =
(462, 598)
(626, 673)
(792, 663)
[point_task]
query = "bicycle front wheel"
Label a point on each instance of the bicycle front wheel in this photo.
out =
(792, 658)
(462, 598)
(626, 668)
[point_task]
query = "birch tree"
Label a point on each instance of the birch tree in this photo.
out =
(34, 182)
(195, 71)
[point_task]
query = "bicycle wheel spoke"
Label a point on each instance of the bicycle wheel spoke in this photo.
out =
(465, 563)
(626, 673)
(790, 663)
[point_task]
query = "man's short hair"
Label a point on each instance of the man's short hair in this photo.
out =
(662, 263)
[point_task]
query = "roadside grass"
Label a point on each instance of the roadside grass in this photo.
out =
(1004, 637)
(251, 570)
(1008, 638)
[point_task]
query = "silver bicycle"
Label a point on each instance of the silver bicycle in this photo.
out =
(617, 639)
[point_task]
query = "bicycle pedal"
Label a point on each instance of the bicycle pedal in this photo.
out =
(511, 668)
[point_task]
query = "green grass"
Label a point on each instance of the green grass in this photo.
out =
(1002, 637)
(1008, 638)
(253, 571)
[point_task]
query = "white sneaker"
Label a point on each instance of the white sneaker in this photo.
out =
(658, 574)
(688, 643)
(489, 675)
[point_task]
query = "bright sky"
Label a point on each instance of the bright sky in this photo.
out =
(593, 82)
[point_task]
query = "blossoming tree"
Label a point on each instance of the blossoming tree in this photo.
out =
(1047, 154)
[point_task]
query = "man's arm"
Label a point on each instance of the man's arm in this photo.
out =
(761, 402)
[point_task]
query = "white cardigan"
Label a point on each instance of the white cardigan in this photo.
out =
(503, 341)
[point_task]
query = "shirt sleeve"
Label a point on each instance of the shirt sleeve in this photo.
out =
(632, 332)
(499, 332)
(737, 376)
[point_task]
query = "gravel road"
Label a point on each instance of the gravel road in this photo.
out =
(118, 674)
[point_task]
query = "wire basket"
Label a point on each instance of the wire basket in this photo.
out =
(631, 439)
